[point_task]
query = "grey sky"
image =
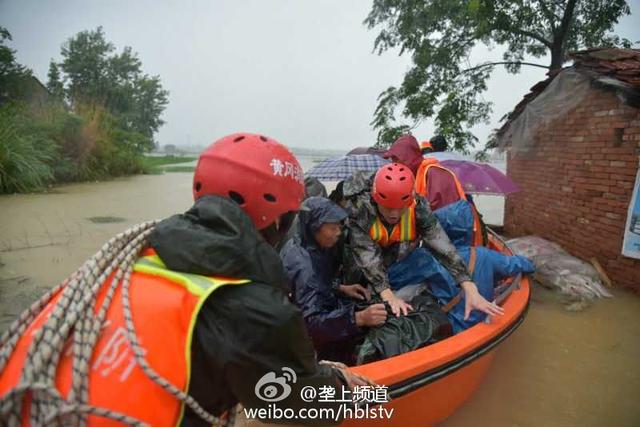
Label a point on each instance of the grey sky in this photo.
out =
(302, 72)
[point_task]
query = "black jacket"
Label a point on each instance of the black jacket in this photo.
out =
(242, 332)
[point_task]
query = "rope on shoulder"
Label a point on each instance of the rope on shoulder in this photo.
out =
(73, 317)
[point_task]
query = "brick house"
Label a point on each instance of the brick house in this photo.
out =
(573, 146)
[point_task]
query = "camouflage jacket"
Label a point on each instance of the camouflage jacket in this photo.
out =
(366, 257)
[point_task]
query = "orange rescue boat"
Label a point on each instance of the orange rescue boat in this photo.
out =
(427, 385)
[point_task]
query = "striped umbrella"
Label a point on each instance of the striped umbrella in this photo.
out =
(339, 168)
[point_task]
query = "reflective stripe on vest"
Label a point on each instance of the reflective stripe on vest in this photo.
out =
(403, 231)
(194, 283)
(164, 307)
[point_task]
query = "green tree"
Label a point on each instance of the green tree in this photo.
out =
(85, 66)
(54, 83)
(440, 35)
(150, 100)
(93, 73)
(77, 138)
(12, 75)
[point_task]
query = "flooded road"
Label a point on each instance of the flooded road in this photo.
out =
(45, 237)
(559, 369)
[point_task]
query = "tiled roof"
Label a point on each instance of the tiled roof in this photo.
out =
(621, 65)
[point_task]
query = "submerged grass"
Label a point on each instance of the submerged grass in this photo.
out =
(158, 165)
(106, 219)
(189, 169)
(151, 162)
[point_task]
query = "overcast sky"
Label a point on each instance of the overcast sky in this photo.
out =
(302, 72)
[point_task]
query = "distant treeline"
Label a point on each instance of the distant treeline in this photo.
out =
(94, 119)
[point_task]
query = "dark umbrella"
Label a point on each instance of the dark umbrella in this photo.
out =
(339, 168)
(367, 150)
(481, 178)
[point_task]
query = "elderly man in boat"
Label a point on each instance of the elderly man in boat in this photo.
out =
(387, 222)
(311, 259)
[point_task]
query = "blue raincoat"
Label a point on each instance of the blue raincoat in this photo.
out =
(491, 266)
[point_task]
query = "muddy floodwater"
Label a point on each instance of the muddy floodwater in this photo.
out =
(560, 368)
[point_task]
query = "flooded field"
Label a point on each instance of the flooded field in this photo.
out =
(560, 368)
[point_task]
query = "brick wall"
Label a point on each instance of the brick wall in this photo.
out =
(577, 183)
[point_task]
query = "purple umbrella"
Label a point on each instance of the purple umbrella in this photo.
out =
(481, 178)
(448, 155)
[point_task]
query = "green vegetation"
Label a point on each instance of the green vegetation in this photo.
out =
(91, 72)
(155, 161)
(26, 153)
(158, 165)
(440, 36)
(44, 146)
(189, 169)
(13, 76)
(95, 121)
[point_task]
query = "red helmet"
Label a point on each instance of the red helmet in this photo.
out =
(257, 172)
(393, 186)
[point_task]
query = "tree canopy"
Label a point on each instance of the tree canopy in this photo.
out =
(12, 74)
(440, 36)
(91, 72)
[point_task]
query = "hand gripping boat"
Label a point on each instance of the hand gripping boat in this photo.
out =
(427, 385)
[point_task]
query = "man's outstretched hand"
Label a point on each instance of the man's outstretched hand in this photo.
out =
(475, 301)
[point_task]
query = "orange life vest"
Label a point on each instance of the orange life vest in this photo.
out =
(403, 231)
(422, 188)
(164, 306)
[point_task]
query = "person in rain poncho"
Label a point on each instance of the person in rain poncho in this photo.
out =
(311, 260)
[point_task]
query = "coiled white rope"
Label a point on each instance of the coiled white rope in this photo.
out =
(74, 317)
